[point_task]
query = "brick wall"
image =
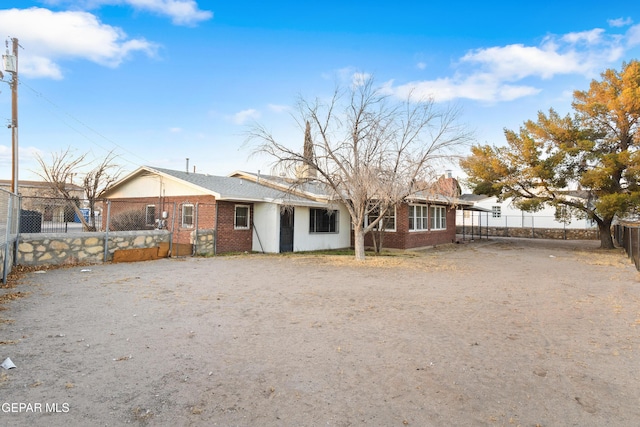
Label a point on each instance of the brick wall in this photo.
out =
(208, 211)
(402, 238)
(230, 239)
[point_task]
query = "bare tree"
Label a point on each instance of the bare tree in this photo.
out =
(369, 150)
(64, 167)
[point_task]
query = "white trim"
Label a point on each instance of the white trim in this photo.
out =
(395, 221)
(193, 213)
(433, 218)
(422, 217)
(235, 217)
(146, 215)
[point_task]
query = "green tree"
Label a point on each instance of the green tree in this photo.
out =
(595, 150)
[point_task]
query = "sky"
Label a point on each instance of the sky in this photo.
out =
(159, 81)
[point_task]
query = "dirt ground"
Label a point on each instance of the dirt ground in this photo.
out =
(490, 333)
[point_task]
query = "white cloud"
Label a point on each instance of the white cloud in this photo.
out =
(590, 37)
(620, 22)
(278, 108)
(497, 73)
(48, 37)
(421, 65)
(181, 12)
(480, 87)
(359, 79)
(175, 130)
(633, 36)
(244, 116)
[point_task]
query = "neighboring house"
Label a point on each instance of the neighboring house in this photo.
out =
(247, 213)
(504, 214)
(39, 196)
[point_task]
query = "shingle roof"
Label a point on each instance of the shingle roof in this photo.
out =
(233, 188)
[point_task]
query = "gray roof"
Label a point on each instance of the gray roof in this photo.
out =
(232, 188)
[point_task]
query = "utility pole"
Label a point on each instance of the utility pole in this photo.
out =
(14, 119)
(11, 65)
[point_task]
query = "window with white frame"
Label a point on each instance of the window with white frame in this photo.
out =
(438, 218)
(418, 217)
(150, 215)
(496, 211)
(241, 221)
(388, 223)
(323, 221)
(187, 215)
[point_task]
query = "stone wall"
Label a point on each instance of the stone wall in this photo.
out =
(61, 248)
(3, 251)
(205, 243)
(537, 233)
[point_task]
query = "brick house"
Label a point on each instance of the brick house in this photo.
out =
(417, 222)
(426, 218)
(246, 214)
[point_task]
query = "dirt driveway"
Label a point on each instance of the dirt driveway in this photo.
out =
(495, 333)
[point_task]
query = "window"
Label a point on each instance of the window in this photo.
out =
(418, 217)
(323, 221)
(150, 215)
(187, 215)
(496, 211)
(438, 218)
(388, 223)
(241, 221)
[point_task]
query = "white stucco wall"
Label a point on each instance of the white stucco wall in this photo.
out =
(513, 217)
(305, 241)
(266, 220)
(266, 227)
(153, 186)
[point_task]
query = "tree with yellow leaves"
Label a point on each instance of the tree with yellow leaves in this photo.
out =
(594, 151)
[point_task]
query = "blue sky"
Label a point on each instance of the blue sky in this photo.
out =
(158, 81)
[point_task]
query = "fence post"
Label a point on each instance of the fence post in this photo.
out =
(194, 251)
(215, 231)
(533, 227)
(472, 215)
(637, 261)
(173, 227)
(106, 231)
(6, 242)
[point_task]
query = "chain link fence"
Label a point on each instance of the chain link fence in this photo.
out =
(9, 208)
(487, 224)
(191, 225)
(628, 237)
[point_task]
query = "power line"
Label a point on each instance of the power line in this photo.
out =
(60, 111)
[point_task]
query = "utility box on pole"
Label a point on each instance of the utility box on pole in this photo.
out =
(9, 63)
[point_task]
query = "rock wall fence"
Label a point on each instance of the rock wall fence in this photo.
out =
(61, 248)
(536, 233)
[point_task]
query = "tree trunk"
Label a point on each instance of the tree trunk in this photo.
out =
(606, 239)
(358, 243)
